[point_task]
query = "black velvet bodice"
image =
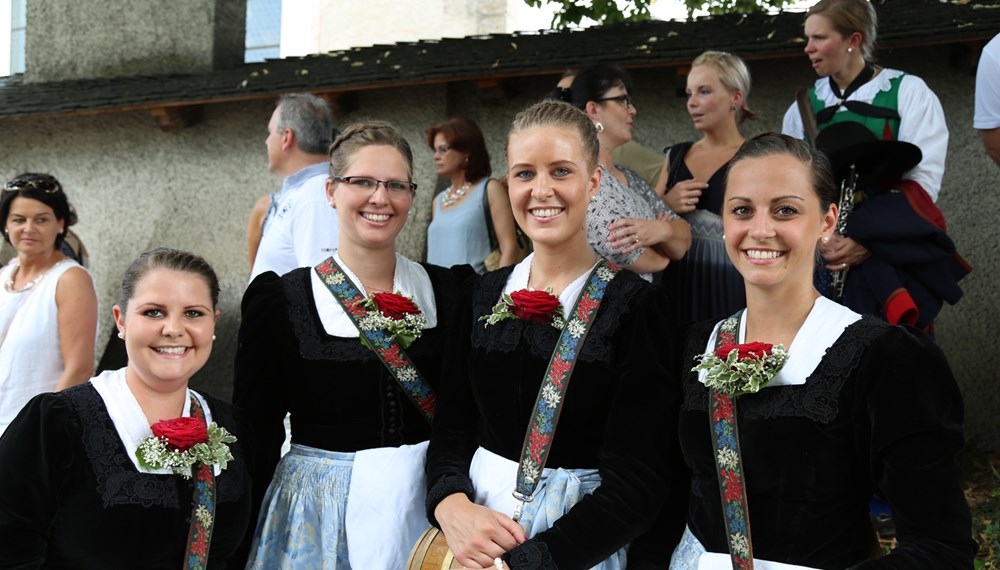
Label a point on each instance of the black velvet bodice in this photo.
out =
(70, 497)
(619, 415)
(881, 414)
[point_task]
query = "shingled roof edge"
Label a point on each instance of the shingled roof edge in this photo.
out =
(520, 54)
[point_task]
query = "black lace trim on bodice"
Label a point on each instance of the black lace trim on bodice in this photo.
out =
(118, 481)
(316, 344)
(530, 555)
(816, 400)
(541, 338)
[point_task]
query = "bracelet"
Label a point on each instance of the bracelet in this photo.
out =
(498, 563)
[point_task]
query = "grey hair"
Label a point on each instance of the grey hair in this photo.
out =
(309, 118)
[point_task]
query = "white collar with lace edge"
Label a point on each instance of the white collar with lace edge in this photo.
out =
(866, 93)
(823, 326)
(126, 414)
(518, 279)
(410, 279)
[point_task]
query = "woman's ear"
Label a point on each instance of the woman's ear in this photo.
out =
(830, 221)
(330, 186)
(119, 318)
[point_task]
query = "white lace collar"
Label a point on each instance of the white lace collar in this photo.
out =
(866, 93)
(823, 326)
(410, 279)
(518, 279)
(130, 423)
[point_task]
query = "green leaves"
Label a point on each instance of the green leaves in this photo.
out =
(736, 376)
(572, 12)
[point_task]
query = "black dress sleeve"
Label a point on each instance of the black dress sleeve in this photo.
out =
(37, 452)
(453, 437)
(912, 417)
(265, 337)
(639, 445)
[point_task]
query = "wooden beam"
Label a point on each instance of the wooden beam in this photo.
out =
(172, 119)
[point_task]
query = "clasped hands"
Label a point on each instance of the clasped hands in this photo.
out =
(630, 234)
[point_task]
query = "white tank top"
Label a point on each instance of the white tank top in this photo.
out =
(30, 357)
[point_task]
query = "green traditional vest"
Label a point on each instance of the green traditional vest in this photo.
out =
(877, 125)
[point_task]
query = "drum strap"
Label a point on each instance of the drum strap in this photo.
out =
(392, 355)
(555, 382)
(729, 461)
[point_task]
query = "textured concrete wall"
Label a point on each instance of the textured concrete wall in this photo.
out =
(136, 187)
(107, 38)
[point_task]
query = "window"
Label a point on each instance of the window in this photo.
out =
(18, 24)
(263, 30)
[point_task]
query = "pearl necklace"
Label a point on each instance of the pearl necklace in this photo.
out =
(453, 195)
(9, 285)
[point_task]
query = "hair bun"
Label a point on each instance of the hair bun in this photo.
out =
(563, 94)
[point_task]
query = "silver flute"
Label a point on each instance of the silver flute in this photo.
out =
(838, 278)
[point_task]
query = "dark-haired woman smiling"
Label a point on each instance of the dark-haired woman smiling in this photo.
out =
(860, 407)
(88, 480)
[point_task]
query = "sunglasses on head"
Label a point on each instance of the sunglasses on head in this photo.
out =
(39, 184)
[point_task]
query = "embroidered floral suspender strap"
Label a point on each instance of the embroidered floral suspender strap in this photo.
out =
(729, 461)
(382, 343)
(551, 395)
(202, 508)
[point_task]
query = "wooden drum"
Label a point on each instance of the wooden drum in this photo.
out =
(431, 553)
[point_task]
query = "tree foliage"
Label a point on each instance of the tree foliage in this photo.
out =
(572, 12)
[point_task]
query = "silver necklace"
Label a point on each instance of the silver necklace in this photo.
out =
(453, 195)
(9, 285)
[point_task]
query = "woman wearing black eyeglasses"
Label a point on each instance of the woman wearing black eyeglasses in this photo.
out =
(627, 223)
(48, 308)
(351, 349)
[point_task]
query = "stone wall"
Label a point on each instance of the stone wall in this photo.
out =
(106, 38)
(136, 187)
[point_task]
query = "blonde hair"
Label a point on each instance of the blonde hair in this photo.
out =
(734, 76)
(550, 113)
(848, 17)
(364, 134)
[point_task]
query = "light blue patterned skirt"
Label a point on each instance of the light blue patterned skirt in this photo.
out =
(301, 523)
(687, 552)
(558, 491)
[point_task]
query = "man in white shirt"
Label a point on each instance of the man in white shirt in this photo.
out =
(987, 118)
(300, 228)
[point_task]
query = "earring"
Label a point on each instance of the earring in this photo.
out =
(825, 239)
(121, 335)
(599, 126)
(850, 50)
(733, 107)
(213, 337)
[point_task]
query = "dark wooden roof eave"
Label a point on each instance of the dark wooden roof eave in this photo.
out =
(494, 57)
